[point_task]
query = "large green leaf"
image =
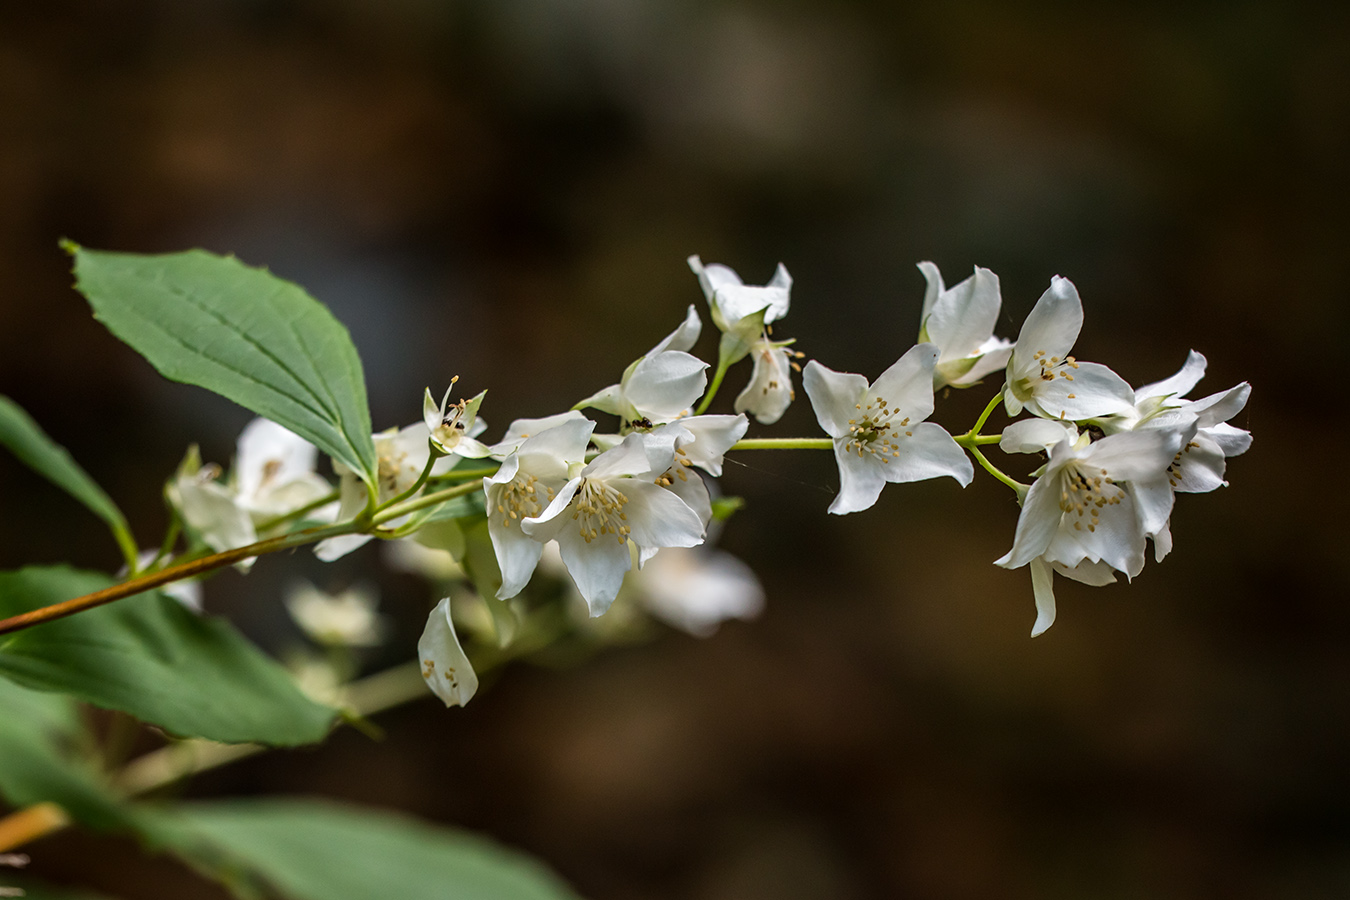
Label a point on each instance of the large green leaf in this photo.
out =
(35, 449)
(242, 332)
(148, 656)
(316, 850)
(37, 733)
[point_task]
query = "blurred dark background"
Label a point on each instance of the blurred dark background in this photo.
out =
(507, 189)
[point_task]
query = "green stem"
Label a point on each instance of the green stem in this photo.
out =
(432, 458)
(300, 513)
(127, 544)
(994, 470)
(722, 367)
(984, 416)
(784, 444)
(977, 440)
(434, 498)
(466, 474)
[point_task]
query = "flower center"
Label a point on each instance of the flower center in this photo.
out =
(391, 465)
(1087, 492)
(875, 431)
(1052, 367)
(520, 499)
(677, 469)
(598, 509)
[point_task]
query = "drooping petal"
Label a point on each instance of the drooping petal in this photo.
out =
(597, 567)
(993, 357)
(1162, 542)
(1094, 391)
(1153, 499)
(1180, 384)
(1043, 586)
(1037, 524)
(609, 400)
(1232, 441)
(708, 439)
(517, 552)
(693, 491)
(928, 451)
(769, 393)
(833, 396)
(714, 277)
(861, 479)
(209, 508)
(1200, 468)
(908, 384)
(1094, 574)
(445, 667)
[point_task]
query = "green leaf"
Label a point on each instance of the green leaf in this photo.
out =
(317, 850)
(242, 332)
(37, 732)
(26, 440)
(148, 656)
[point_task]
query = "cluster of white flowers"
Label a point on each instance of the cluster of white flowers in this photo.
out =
(1116, 456)
(606, 500)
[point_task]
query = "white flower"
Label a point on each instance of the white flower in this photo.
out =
(661, 385)
(879, 431)
(696, 442)
(347, 619)
(769, 392)
(1091, 499)
(1199, 465)
(612, 500)
(960, 321)
(401, 456)
(526, 483)
(521, 429)
(274, 471)
(734, 303)
(697, 589)
(273, 475)
(1045, 379)
(455, 428)
(445, 667)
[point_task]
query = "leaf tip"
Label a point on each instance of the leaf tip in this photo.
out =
(69, 246)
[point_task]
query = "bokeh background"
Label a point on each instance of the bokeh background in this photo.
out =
(507, 189)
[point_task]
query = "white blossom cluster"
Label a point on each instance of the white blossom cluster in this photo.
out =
(605, 500)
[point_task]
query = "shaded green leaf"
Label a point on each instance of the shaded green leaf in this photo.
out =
(27, 441)
(242, 332)
(317, 850)
(36, 736)
(148, 656)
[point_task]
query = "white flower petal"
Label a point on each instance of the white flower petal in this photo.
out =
(1037, 524)
(658, 517)
(1095, 574)
(928, 452)
(1153, 499)
(1232, 441)
(444, 665)
(1043, 586)
(666, 384)
(908, 384)
(696, 590)
(1201, 466)
(1180, 384)
(963, 318)
(1052, 326)
(1221, 407)
(523, 428)
(682, 338)
(597, 567)
(1036, 435)
(861, 479)
(1137, 455)
(517, 552)
(833, 396)
(1094, 391)
(932, 291)
(708, 439)
(769, 393)
(269, 455)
